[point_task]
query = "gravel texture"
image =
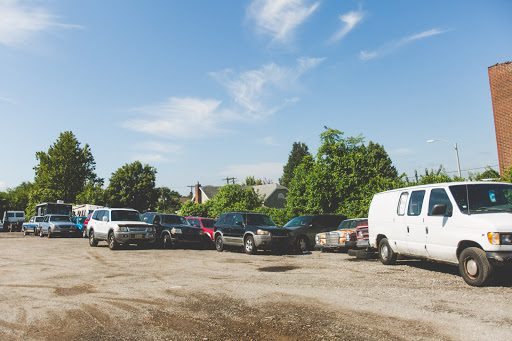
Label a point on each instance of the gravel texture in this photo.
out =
(63, 289)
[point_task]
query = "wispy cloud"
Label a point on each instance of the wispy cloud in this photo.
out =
(280, 18)
(269, 140)
(258, 93)
(7, 100)
(178, 118)
(20, 21)
(348, 22)
(268, 170)
(393, 46)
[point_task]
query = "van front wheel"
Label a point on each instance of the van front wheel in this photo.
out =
(386, 254)
(474, 267)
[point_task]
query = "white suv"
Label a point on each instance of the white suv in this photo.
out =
(119, 226)
(463, 223)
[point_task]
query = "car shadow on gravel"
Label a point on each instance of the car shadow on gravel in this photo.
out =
(502, 275)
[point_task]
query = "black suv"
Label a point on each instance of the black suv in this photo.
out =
(305, 228)
(253, 231)
(172, 229)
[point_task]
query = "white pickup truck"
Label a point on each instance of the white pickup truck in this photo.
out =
(464, 223)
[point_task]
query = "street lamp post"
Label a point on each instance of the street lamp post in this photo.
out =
(456, 153)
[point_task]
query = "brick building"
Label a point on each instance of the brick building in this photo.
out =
(500, 79)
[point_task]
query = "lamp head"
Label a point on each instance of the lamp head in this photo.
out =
(430, 141)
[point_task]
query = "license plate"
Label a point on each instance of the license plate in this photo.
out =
(138, 236)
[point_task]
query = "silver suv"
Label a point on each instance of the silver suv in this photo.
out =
(118, 226)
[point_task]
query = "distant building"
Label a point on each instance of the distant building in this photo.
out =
(500, 79)
(273, 195)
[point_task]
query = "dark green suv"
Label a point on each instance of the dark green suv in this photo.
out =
(252, 231)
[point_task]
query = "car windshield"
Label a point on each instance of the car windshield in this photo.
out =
(174, 219)
(60, 218)
(208, 223)
(483, 198)
(351, 224)
(39, 219)
(259, 220)
(299, 221)
(125, 215)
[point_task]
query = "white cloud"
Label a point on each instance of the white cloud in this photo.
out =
(150, 158)
(269, 140)
(159, 147)
(3, 186)
(178, 118)
(280, 18)
(393, 46)
(257, 93)
(8, 100)
(349, 21)
(20, 22)
(268, 170)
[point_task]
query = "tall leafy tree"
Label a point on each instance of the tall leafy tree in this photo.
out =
(63, 171)
(18, 197)
(133, 185)
(93, 193)
(168, 200)
(342, 178)
(299, 151)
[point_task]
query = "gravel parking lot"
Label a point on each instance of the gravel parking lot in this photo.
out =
(63, 289)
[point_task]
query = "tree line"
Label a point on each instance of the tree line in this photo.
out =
(341, 178)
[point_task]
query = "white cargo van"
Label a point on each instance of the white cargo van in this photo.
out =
(464, 223)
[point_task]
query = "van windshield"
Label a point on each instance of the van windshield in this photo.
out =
(483, 198)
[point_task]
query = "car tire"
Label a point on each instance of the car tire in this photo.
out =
(363, 254)
(50, 233)
(41, 234)
(475, 268)
(166, 241)
(386, 254)
(92, 241)
(302, 244)
(219, 243)
(249, 245)
(352, 252)
(25, 232)
(112, 242)
(84, 233)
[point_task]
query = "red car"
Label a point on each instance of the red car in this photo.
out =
(205, 223)
(85, 232)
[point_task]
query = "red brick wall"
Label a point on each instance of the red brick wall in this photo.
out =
(500, 79)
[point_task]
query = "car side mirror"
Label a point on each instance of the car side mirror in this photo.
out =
(439, 210)
(105, 219)
(146, 219)
(239, 223)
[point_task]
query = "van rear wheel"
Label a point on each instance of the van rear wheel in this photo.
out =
(475, 268)
(386, 254)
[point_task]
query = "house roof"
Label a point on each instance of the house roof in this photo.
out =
(210, 191)
(267, 190)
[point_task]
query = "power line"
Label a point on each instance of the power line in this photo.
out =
(227, 180)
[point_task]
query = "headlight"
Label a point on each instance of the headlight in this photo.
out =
(317, 238)
(122, 229)
(150, 229)
(263, 232)
(175, 230)
(496, 238)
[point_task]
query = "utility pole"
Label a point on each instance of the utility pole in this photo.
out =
(227, 180)
(191, 195)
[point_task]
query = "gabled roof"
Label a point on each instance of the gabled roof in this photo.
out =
(210, 191)
(267, 190)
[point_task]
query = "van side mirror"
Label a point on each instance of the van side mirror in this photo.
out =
(439, 209)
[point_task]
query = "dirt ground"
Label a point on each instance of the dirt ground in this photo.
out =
(62, 289)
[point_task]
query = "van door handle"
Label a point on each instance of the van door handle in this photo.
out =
(407, 229)
(426, 230)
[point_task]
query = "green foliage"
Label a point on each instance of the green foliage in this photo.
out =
(63, 172)
(17, 199)
(168, 201)
(234, 198)
(251, 181)
(488, 174)
(191, 209)
(431, 177)
(299, 151)
(93, 194)
(342, 178)
(279, 216)
(133, 185)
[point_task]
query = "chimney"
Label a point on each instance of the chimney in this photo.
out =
(198, 194)
(500, 79)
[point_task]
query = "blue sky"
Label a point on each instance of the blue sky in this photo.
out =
(204, 90)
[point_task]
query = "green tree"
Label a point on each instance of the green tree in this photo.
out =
(342, 178)
(299, 151)
(63, 171)
(431, 177)
(191, 209)
(234, 198)
(168, 200)
(93, 194)
(18, 198)
(133, 185)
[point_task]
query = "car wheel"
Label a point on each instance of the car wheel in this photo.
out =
(41, 234)
(302, 244)
(84, 232)
(50, 233)
(166, 241)
(363, 254)
(219, 243)
(25, 232)
(475, 268)
(249, 246)
(92, 241)
(112, 243)
(386, 254)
